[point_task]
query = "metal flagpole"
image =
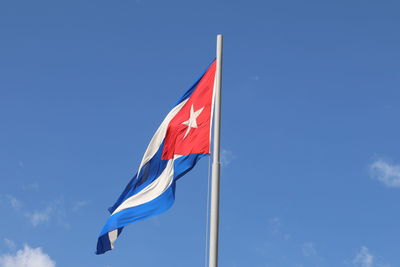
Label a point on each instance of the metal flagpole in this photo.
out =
(214, 212)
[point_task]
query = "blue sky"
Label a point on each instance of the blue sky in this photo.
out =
(310, 137)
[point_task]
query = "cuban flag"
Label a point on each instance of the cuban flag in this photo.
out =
(180, 141)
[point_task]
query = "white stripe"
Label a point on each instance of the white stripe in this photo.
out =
(112, 236)
(158, 137)
(153, 190)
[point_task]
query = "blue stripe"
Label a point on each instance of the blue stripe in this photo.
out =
(184, 164)
(103, 244)
(147, 174)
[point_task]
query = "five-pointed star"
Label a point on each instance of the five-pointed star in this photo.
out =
(191, 122)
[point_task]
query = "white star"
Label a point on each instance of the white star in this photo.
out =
(191, 122)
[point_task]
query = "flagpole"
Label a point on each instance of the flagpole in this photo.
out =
(215, 179)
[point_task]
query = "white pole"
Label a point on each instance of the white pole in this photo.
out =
(214, 212)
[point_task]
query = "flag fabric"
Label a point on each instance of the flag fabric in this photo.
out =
(180, 141)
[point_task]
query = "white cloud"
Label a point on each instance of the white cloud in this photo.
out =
(33, 186)
(38, 217)
(388, 174)
(54, 212)
(79, 205)
(227, 157)
(27, 257)
(255, 78)
(275, 228)
(364, 258)
(308, 249)
(14, 202)
(35, 217)
(275, 224)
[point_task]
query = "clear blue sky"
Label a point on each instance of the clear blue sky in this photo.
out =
(311, 105)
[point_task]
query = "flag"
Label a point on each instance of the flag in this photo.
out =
(180, 141)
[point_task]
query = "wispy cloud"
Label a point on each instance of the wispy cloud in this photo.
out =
(39, 217)
(308, 249)
(27, 257)
(255, 77)
(53, 210)
(14, 202)
(227, 157)
(275, 224)
(28, 187)
(388, 174)
(364, 258)
(79, 205)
